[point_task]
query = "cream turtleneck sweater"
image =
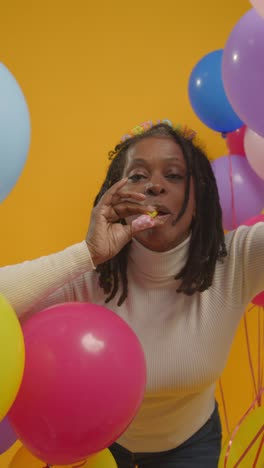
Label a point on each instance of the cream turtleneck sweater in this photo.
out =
(186, 339)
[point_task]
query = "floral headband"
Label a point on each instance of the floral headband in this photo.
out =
(143, 127)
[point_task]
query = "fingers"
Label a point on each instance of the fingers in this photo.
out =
(115, 193)
(132, 196)
(126, 209)
(117, 203)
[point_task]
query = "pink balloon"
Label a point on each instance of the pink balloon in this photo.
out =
(241, 191)
(258, 5)
(235, 141)
(83, 384)
(259, 298)
(254, 146)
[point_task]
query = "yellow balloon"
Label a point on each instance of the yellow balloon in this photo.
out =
(102, 459)
(24, 459)
(248, 429)
(12, 356)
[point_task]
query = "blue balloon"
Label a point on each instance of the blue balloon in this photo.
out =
(208, 97)
(14, 131)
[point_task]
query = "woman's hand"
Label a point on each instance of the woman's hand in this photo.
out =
(106, 236)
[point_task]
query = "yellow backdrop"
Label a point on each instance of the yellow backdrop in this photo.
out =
(90, 71)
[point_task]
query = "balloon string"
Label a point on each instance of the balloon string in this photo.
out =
(224, 406)
(82, 463)
(234, 218)
(249, 355)
(262, 367)
(249, 447)
(251, 308)
(261, 446)
(229, 445)
(260, 350)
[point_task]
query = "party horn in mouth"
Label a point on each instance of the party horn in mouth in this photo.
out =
(153, 214)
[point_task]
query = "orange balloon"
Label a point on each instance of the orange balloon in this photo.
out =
(249, 428)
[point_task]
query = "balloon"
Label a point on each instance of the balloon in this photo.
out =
(235, 141)
(83, 384)
(244, 197)
(14, 131)
(102, 459)
(207, 95)
(243, 70)
(258, 300)
(254, 146)
(24, 459)
(7, 436)
(258, 5)
(248, 429)
(255, 219)
(12, 356)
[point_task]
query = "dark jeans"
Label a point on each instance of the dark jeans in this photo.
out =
(202, 450)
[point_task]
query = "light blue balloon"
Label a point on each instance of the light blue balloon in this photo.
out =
(208, 97)
(14, 131)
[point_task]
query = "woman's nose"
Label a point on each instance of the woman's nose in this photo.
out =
(154, 189)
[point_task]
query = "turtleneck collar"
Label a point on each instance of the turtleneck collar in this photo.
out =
(158, 264)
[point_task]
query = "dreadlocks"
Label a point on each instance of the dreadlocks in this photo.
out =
(207, 243)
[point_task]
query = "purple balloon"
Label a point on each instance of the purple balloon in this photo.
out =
(7, 435)
(246, 199)
(243, 70)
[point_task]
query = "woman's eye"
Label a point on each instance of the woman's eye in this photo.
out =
(136, 177)
(174, 176)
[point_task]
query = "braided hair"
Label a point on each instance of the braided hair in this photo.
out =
(207, 243)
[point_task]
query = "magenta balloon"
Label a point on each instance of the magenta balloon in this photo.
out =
(258, 300)
(7, 435)
(243, 70)
(235, 141)
(255, 219)
(248, 190)
(84, 381)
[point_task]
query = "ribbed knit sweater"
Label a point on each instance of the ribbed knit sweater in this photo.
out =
(186, 339)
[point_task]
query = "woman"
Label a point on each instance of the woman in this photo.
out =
(172, 275)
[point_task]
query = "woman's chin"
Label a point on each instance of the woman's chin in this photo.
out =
(153, 240)
(161, 239)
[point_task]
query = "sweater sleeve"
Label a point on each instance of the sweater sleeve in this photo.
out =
(26, 284)
(247, 254)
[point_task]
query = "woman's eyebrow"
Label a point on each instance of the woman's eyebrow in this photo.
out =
(174, 159)
(137, 162)
(145, 161)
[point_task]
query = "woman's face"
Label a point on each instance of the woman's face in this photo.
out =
(156, 167)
